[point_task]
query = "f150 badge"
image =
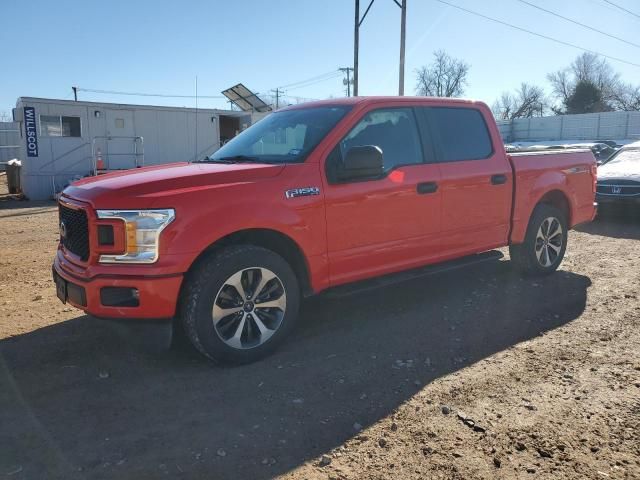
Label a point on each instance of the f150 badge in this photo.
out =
(302, 192)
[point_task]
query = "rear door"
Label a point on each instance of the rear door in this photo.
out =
(389, 223)
(476, 180)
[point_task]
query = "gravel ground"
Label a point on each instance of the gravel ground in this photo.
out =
(470, 374)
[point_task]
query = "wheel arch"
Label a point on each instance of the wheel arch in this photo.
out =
(559, 200)
(556, 197)
(272, 240)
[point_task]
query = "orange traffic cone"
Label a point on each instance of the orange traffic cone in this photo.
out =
(99, 161)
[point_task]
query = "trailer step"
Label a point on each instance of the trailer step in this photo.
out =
(394, 278)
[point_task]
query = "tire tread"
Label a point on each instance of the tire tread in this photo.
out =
(521, 254)
(195, 285)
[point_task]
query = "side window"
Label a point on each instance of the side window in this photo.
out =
(460, 133)
(59, 126)
(393, 130)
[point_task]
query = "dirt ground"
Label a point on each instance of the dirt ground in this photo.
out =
(470, 374)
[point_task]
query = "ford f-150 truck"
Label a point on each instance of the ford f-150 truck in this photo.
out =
(311, 197)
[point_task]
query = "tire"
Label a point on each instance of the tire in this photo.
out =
(239, 330)
(543, 249)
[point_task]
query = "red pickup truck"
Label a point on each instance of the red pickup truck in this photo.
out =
(311, 197)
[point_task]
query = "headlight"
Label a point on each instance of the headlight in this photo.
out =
(142, 230)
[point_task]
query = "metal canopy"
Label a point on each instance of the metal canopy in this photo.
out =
(245, 99)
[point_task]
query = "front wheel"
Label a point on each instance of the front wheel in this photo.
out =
(545, 242)
(239, 303)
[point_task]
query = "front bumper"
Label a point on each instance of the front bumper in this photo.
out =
(158, 295)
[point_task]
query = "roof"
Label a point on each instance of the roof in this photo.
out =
(22, 100)
(376, 99)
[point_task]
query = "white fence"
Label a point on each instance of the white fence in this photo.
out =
(9, 142)
(588, 126)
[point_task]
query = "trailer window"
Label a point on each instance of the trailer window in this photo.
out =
(459, 133)
(59, 126)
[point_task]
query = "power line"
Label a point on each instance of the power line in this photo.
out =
(308, 84)
(291, 86)
(139, 94)
(562, 42)
(320, 80)
(578, 23)
(317, 77)
(622, 8)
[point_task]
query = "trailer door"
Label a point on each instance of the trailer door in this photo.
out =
(123, 149)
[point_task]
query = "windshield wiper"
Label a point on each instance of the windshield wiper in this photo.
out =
(236, 159)
(211, 160)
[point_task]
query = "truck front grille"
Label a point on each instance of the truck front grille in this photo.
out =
(74, 231)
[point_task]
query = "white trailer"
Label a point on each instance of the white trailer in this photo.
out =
(61, 140)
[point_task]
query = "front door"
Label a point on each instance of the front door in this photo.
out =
(122, 147)
(389, 223)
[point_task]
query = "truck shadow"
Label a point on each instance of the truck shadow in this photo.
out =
(615, 224)
(76, 401)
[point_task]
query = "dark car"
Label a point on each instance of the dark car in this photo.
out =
(619, 179)
(611, 143)
(603, 152)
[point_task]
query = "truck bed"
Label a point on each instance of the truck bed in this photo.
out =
(571, 172)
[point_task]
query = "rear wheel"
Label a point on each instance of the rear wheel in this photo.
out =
(240, 303)
(545, 242)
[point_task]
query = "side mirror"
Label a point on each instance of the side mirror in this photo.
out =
(361, 162)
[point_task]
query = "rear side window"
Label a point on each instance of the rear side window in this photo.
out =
(459, 133)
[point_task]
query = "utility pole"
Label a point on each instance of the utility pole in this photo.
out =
(403, 22)
(195, 158)
(348, 80)
(356, 41)
(75, 93)
(277, 92)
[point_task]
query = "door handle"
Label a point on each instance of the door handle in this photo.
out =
(427, 187)
(498, 179)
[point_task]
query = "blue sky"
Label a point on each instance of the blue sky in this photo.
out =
(161, 46)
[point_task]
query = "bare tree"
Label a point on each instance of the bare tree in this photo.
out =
(627, 98)
(527, 101)
(589, 68)
(445, 77)
(562, 84)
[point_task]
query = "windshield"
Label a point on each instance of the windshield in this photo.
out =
(626, 156)
(283, 137)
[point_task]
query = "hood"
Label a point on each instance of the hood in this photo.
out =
(628, 169)
(149, 185)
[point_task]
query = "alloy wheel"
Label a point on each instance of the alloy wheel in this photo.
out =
(549, 241)
(249, 308)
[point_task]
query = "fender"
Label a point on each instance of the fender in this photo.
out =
(204, 218)
(531, 189)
